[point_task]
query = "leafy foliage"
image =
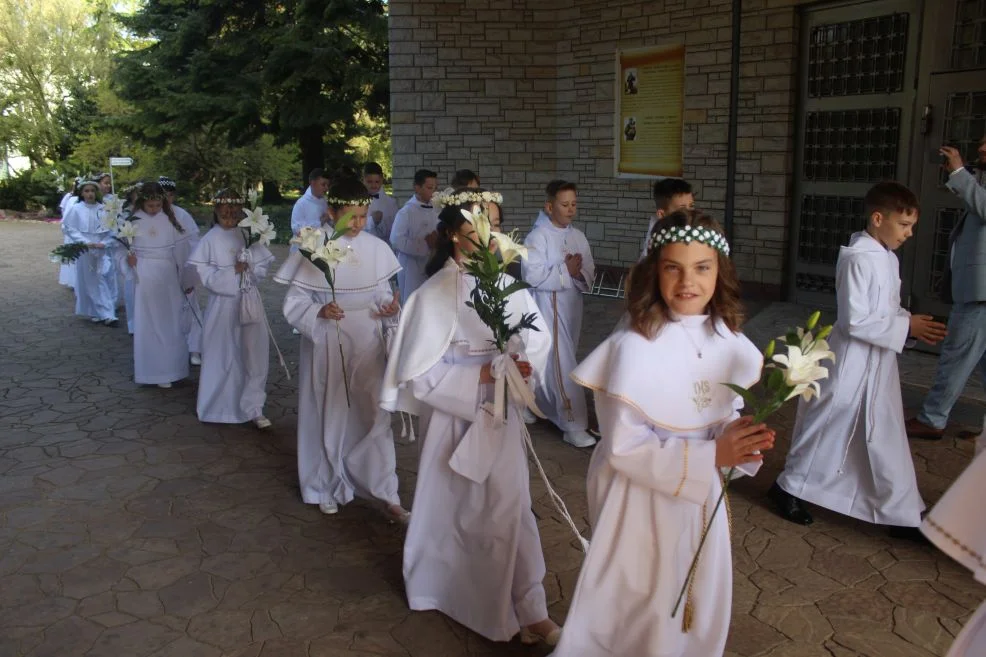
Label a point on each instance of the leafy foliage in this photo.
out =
(66, 253)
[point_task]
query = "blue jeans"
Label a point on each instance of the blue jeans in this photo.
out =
(961, 351)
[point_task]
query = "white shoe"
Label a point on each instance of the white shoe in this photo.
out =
(579, 439)
(164, 385)
(196, 358)
(261, 422)
(296, 331)
(328, 508)
(528, 417)
(95, 320)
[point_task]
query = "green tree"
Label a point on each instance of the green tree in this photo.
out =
(302, 71)
(51, 51)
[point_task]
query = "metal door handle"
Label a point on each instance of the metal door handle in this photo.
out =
(926, 120)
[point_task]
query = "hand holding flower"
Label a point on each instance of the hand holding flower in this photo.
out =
(132, 260)
(241, 267)
(331, 311)
(743, 442)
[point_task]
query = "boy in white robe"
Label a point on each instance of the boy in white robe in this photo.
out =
(472, 551)
(192, 312)
(956, 527)
(668, 429)
(560, 269)
(413, 234)
(849, 451)
(236, 347)
(95, 284)
(160, 252)
(550, 190)
(670, 195)
(345, 440)
(383, 207)
(311, 208)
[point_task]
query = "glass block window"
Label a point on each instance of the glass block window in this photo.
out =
(852, 145)
(815, 283)
(969, 38)
(965, 124)
(865, 56)
(945, 220)
(826, 224)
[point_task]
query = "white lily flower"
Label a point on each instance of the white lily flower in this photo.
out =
(267, 236)
(802, 371)
(509, 248)
(481, 223)
(309, 239)
(331, 253)
(127, 230)
(255, 220)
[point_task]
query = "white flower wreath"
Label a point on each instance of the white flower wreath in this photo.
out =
(342, 202)
(450, 197)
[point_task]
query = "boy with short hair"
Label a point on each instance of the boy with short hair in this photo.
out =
(849, 451)
(383, 206)
(550, 190)
(560, 269)
(413, 234)
(465, 178)
(670, 195)
(311, 208)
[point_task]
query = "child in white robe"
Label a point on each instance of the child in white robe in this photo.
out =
(670, 195)
(310, 209)
(956, 527)
(345, 448)
(383, 206)
(130, 197)
(191, 311)
(235, 353)
(95, 271)
(413, 234)
(473, 550)
(66, 272)
(550, 190)
(560, 269)
(668, 429)
(160, 251)
(849, 450)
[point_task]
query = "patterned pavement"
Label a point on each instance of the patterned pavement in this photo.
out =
(129, 529)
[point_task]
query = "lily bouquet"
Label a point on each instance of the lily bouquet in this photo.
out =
(326, 253)
(785, 376)
(256, 226)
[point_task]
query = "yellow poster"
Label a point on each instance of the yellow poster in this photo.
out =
(650, 102)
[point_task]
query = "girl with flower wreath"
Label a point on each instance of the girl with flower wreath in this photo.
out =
(95, 273)
(345, 440)
(473, 550)
(654, 480)
(157, 264)
(235, 353)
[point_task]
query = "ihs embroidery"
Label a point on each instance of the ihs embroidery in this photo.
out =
(703, 395)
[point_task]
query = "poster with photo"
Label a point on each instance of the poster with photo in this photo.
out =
(650, 99)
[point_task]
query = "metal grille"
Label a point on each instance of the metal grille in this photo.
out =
(965, 122)
(969, 39)
(864, 56)
(815, 283)
(945, 220)
(852, 145)
(826, 224)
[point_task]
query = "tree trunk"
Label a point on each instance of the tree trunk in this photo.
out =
(272, 193)
(311, 141)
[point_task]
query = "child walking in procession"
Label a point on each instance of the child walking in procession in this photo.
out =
(561, 270)
(473, 550)
(383, 206)
(668, 427)
(130, 198)
(191, 318)
(849, 450)
(95, 271)
(160, 251)
(235, 353)
(310, 210)
(66, 272)
(345, 441)
(670, 195)
(413, 234)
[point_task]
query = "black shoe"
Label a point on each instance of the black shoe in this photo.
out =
(112, 323)
(788, 506)
(909, 534)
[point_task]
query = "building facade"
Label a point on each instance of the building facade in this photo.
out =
(825, 99)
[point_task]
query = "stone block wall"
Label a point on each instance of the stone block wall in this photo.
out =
(523, 91)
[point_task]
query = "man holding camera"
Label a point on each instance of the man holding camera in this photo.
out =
(965, 346)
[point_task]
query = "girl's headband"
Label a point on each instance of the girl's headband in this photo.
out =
(686, 235)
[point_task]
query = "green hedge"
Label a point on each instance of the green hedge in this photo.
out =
(30, 191)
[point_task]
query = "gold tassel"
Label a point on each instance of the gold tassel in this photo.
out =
(687, 614)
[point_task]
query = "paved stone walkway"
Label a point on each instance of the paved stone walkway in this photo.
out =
(129, 529)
